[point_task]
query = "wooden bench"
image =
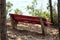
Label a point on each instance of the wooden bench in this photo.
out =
(15, 18)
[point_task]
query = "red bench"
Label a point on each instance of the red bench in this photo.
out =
(15, 18)
(28, 19)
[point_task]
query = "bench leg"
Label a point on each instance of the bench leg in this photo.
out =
(42, 27)
(14, 23)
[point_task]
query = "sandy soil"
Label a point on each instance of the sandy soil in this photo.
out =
(25, 31)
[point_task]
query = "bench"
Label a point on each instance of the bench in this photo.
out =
(15, 18)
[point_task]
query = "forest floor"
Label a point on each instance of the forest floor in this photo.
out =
(26, 31)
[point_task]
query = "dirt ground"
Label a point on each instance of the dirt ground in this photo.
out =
(25, 31)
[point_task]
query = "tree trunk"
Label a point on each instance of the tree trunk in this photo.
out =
(3, 20)
(59, 16)
(0, 19)
(51, 11)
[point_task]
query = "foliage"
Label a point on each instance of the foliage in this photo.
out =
(37, 12)
(8, 8)
(17, 11)
(55, 18)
